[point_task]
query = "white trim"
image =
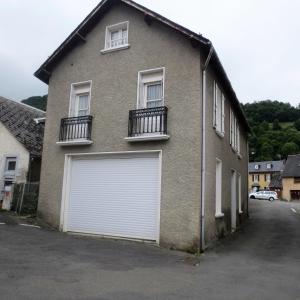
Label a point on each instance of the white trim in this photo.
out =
(149, 71)
(66, 183)
(108, 50)
(240, 192)
(144, 138)
(219, 215)
(218, 187)
(39, 120)
(73, 85)
(75, 142)
(108, 30)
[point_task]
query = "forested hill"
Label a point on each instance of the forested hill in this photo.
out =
(39, 102)
(276, 129)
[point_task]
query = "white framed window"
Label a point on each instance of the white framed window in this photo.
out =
(151, 88)
(219, 110)
(240, 193)
(10, 167)
(234, 132)
(255, 178)
(80, 99)
(116, 36)
(268, 177)
(269, 166)
(218, 199)
(256, 167)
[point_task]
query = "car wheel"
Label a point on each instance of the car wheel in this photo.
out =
(252, 197)
(271, 199)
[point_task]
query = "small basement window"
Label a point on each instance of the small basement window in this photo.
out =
(116, 36)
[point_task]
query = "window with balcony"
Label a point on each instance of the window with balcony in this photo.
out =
(149, 120)
(76, 128)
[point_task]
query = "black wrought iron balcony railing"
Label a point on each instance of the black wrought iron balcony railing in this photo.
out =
(75, 128)
(148, 121)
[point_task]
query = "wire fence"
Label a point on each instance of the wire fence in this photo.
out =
(25, 198)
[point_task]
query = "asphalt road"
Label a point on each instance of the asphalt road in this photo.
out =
(261, 261)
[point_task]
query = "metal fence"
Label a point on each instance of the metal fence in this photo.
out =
(25, 198)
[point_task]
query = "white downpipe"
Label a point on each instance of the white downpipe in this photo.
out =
(203, 162)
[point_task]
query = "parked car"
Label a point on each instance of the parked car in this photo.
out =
(264, 195)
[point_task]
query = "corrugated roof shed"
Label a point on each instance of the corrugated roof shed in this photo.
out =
(19, 120)
(292, 166)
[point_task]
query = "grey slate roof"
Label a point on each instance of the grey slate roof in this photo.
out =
(19, 120)
(292, 166)
(276, 166)
(276, 181)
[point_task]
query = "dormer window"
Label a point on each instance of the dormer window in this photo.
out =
(256, 167)
(116, 37)
(269, 166)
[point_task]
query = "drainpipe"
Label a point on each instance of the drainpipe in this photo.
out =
(203, 148)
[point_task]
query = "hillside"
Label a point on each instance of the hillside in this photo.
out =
(39, 102)
(276, 130)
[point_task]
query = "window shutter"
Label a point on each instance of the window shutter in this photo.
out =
(215, 105)
(223, 115)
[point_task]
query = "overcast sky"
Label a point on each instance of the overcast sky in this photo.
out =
(257, 41)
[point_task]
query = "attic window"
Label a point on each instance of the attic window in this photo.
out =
(269, 166)
(116, 37)
(256, 167)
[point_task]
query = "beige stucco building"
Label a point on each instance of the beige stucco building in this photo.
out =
(145, 138)
(291, 178)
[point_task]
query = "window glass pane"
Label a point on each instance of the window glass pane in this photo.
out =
(11, 166)
(114, 35)
(83, 102)
(154, 91)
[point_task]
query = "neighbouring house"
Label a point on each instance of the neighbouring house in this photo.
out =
(276, 184)
(145, 138)
(21, 142)
(261, 174)
(291, 178)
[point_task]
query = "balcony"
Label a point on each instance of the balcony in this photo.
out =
(75, 131)
(148, 124)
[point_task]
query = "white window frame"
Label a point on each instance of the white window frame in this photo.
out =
(240, 193)
(256, 178)
(146, 77)
(218, 189)
(219, 125)
(269, 166)
(78, 88)
(10, 174)
(116, 27)
(235, 139)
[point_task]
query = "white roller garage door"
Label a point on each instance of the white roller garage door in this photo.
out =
(115, 196)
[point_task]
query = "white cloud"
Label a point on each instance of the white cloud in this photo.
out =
(257, 40)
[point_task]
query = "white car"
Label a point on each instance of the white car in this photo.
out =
(264, 195)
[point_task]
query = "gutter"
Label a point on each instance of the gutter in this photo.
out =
(203, 150)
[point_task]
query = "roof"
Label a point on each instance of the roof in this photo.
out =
(261, 166)
(19, 118)
(292, 166)
(81, 31)
(276, 181)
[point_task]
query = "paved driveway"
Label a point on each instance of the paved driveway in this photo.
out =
(262, 261)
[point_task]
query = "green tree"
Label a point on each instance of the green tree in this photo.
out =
(297, 124)
(276, 125)
(289, 148)
(266, 151)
